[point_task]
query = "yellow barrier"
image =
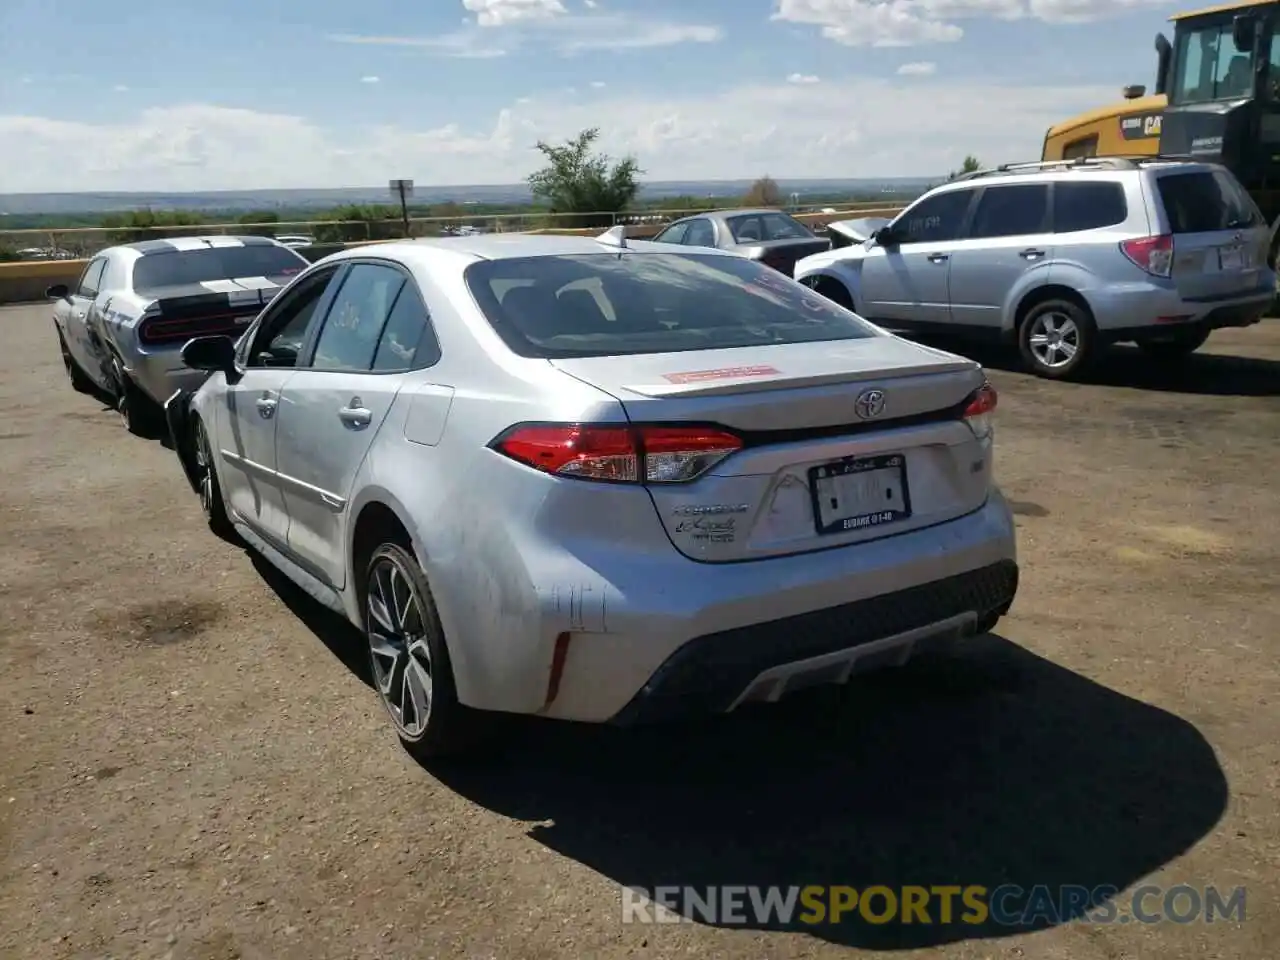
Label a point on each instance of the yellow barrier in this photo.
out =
(27, 270)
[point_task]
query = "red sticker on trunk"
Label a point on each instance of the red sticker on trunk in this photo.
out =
(724, 373)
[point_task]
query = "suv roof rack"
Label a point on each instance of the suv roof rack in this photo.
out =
(1122, 162)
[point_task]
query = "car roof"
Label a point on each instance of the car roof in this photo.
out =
(209, 241)
(500, 246)
(1102, 167)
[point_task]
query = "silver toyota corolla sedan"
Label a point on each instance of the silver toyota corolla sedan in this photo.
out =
(599, 480)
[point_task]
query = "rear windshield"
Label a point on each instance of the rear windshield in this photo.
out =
(758, 227)
(180, 267)
(610, 305)
(1206, 201)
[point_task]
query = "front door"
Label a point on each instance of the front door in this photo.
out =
(1008, 238)
(247, 421)
(331, 409)
(907, 280)
(76, 315)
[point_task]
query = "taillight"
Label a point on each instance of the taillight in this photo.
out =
(618, 453)
(153, 331)
(979, 408)
(1152, 254)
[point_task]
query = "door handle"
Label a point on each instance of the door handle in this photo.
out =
(266, 407)
(355, 415)
(938, 258)
(1031, 254)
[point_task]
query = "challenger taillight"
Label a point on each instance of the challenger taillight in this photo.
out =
(618, 453)
(154, 331)
(1153, 255)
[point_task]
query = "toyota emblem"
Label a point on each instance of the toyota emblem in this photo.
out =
(870, 404)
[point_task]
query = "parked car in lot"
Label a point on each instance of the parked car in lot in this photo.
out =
(1063, 258)
(122, 326)
(769, 236)
(598, 480)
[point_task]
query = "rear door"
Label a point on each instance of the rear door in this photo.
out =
(908, 280)
(1008, 238)
(374, 333)
(1219, 235)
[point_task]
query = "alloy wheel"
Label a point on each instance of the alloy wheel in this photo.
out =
(1054, 339)
(401, 655)
(204, 469)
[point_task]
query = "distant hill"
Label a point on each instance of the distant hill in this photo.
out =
(244, 200)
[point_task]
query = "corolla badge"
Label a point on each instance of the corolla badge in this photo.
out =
(869, 405)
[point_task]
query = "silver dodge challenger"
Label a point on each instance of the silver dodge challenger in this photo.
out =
(122, 326)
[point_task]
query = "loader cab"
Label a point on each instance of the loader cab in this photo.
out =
(1222, 79)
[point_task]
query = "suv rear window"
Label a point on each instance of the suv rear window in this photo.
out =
(1205, 201)
(183, 267)
(1088, 205)
(590, 305)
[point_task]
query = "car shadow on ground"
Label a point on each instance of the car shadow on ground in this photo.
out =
(339, 637)
(1124, 365)
(1001, 768)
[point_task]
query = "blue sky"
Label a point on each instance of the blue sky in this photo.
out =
(145, 94)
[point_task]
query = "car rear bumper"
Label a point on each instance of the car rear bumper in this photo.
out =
(1141, 311)
(643, 640)
(160, 372)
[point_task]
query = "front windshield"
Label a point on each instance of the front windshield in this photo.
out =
(1210, 67)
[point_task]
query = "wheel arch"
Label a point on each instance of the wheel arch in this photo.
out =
(1043, 293)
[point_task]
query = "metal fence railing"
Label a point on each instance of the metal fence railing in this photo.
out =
(73, 243)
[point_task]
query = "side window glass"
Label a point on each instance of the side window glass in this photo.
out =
(673, 234)
(407, 340)
(934, 219)
(1011, 211)
(355, 320)
(700, 234)
(91, 279)
(282, 331)
(1088, 206)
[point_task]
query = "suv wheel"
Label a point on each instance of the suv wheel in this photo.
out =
(1175, 347)
(1057, 339)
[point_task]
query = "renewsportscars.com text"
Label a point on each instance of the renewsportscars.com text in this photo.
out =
(1007, 905)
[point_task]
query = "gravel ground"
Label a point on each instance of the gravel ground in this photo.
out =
(193, 765)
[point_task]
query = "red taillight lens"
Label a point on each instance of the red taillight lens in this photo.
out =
(1152, 254)
(982, 401)
(621, 454)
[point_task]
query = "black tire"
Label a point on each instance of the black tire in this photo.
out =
(448, 728)
(210, 490)
(80, 381)
(1083, 338)
(140, 414)
(1179, 346)
(833, 290)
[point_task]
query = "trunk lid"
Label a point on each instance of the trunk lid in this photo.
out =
(813, 473)
(176, 313)
(1220, 239)
(848, 233)
(782, 255)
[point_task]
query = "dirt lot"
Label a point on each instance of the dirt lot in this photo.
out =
(193, 767)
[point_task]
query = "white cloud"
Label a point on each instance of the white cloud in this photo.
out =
(904, 23)
(598, 84)
(120, 88)
(789, 129)
(803, 78)
(498, 13)
(546, 23)
(370, 79)
(921, 68)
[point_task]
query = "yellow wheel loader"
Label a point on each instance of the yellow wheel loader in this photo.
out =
(1216, 97)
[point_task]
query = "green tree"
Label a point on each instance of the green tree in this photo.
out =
(360, 222)
(148, 224)
(970, 165)
(260, 217)
(578, 181)
(764, 193)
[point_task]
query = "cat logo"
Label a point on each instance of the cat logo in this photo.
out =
(1151, 126)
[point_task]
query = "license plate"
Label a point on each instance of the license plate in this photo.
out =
(1230, 258)
(859, 492)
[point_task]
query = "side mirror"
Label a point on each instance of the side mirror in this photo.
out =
(885, 237)
(1243, 28)
(211, 353)
(59, 291)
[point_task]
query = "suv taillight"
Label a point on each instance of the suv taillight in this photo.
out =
(618, 453)
(1151, 254)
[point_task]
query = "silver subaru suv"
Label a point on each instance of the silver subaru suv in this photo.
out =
(1061, 258)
